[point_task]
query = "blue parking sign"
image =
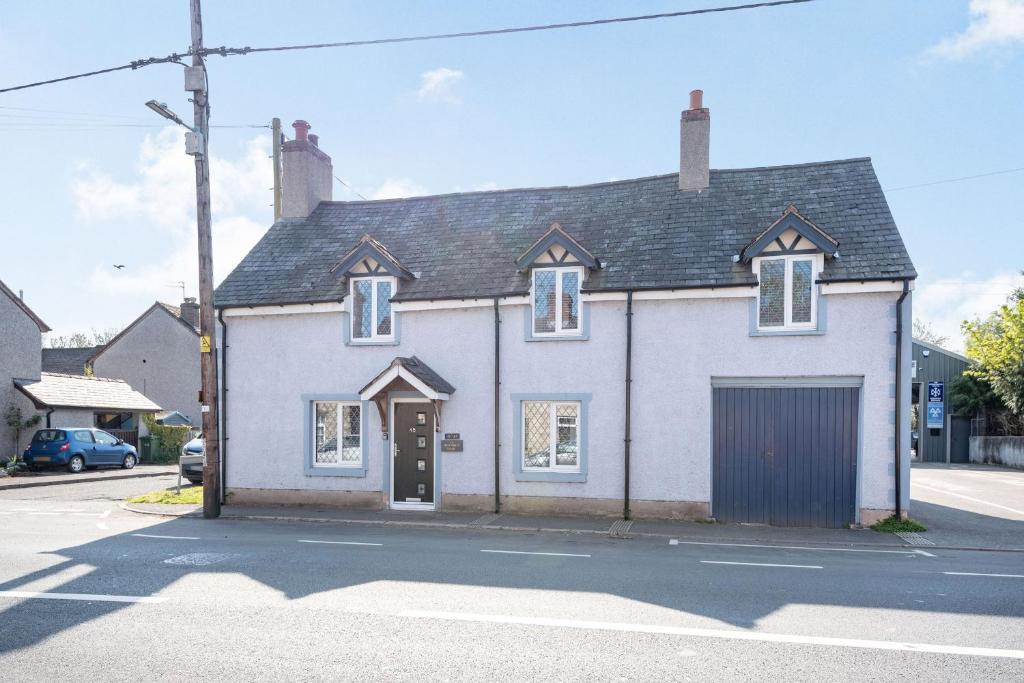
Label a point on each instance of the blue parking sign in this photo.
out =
(936, 392)
(936, 415)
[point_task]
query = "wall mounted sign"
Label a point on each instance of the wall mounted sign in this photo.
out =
(451, 445)
(936, 408)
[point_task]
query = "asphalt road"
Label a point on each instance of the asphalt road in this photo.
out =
(90, 591)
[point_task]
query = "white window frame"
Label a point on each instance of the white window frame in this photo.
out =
(341, 435)
(558, 332)
(374, 337)
(790, 259)
(552, 437)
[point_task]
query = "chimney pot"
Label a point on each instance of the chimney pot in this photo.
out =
(315, 139)
(301, 129)
(696, 99)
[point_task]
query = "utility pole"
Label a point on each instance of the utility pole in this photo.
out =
(207, 330)
(275, 132)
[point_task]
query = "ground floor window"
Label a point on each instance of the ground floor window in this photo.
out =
(551, 439)
(116, 421)
(337, 434)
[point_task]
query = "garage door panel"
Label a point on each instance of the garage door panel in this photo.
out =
(785, 456)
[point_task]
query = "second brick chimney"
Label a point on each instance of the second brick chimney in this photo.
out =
(307, 174)
(694, 141)
(190, 311)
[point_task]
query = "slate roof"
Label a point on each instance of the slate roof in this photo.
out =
(421, 370)
(68, 361)
(646, 233)
(55, 390)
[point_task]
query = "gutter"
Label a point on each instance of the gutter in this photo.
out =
(629, 397)
(223, 392)
(497, 408)
(899, 398)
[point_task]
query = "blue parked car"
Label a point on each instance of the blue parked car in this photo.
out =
(77, 448)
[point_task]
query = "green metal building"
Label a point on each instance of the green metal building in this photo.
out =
(943, 438)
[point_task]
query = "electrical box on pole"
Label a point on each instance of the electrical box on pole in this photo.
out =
(195, 78)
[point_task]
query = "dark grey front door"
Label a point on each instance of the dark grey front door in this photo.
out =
(959, 439)
(414, 453)
(785, 456)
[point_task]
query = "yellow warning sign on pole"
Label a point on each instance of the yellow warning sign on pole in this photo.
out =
(204, 344)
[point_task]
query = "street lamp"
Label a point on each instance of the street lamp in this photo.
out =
(193, 138)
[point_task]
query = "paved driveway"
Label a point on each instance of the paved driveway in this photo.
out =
(969, 505)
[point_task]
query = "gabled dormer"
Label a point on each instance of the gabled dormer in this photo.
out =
(374, 275)
(787, 258)
(558, 264)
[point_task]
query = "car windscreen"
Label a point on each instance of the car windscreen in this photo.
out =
(48, 435)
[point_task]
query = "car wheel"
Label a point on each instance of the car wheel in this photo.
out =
(129, 461)
(76, 464)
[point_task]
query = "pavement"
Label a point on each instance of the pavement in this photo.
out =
(89, 590)
(53, 477)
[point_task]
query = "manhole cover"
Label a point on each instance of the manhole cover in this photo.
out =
(198, 559)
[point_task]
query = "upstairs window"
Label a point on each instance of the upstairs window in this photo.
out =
(786, 298)
(371, 308)
(556, 301)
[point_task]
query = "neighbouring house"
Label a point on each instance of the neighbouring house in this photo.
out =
(939, 436)
(21, 337)
(726, 343)
(68, 361)
(158, 355)
(68, 399)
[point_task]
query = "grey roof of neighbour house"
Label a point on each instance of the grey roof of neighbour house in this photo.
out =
(646, 233)
(68, 361)
(55, 390)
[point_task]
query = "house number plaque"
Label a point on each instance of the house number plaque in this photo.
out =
(452, 442)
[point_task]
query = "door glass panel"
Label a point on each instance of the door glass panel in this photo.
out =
(570, 300)
(802, 288)
(772, 307)
(544, 301)
(537, 434)
(362, 315)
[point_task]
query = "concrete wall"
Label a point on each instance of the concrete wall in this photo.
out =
(679, 346)
(159, 358)
(62, 418)
(998, 450)
(20, 357)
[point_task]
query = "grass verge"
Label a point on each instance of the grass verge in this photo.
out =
(891, 525)
(190, 495)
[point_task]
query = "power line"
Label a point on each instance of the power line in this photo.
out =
(955, 180)
(226, 51)
(351, 189)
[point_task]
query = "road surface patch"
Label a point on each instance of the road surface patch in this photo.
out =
(764, 564)
(88, 597)
(973, 500)
(198, 559)
(303, 540)
(676, 541)
(721, 634)
(175, 538)
(1001, 576)
(526, 552)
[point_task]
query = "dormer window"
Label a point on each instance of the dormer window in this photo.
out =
(556, 301)
(371, 308)
(785, 297)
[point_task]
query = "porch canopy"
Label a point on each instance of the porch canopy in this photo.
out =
(407, 374)
(55, 390)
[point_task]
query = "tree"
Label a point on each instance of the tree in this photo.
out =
(18, 423)
(80, 340)
(923, 331)
(996, 344)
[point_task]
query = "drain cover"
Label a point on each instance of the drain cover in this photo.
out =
(620, 528)
(484, 520)
(914, 538)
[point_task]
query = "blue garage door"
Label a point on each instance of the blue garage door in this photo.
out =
(785, 456)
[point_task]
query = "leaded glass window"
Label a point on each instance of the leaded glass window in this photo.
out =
(772, 305)
(337, 434)
(786, 297)
(551, 435)
(556, 301)
(371, 308)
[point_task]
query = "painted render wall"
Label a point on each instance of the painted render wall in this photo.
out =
(159, 358)
(273, 360)
(20, 357)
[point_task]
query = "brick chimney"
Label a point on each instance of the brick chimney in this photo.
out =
(190, 311)
(307, 174)
(694, 139)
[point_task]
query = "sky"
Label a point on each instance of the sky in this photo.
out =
(930, 89)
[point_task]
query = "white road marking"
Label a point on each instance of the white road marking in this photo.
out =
(765, 564)
(69, 510)
(44, 513)
(303, 540)
(1004, 576)
(524, 552)
(722, 634)
(803, 547)
(177, 538)
(973, 500)
(81, 596)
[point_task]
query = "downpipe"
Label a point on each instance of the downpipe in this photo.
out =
(497, 408)
(629, 398)
(223, 393)
(898, 469)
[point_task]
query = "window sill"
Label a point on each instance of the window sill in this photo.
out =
(335, 471)
(807, 331)
(565, 477)
(373, 342)
(557, 337)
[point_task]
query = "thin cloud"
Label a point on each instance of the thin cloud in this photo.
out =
(440, 85)
(993, 23)
(396, 188)
(946, 302)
